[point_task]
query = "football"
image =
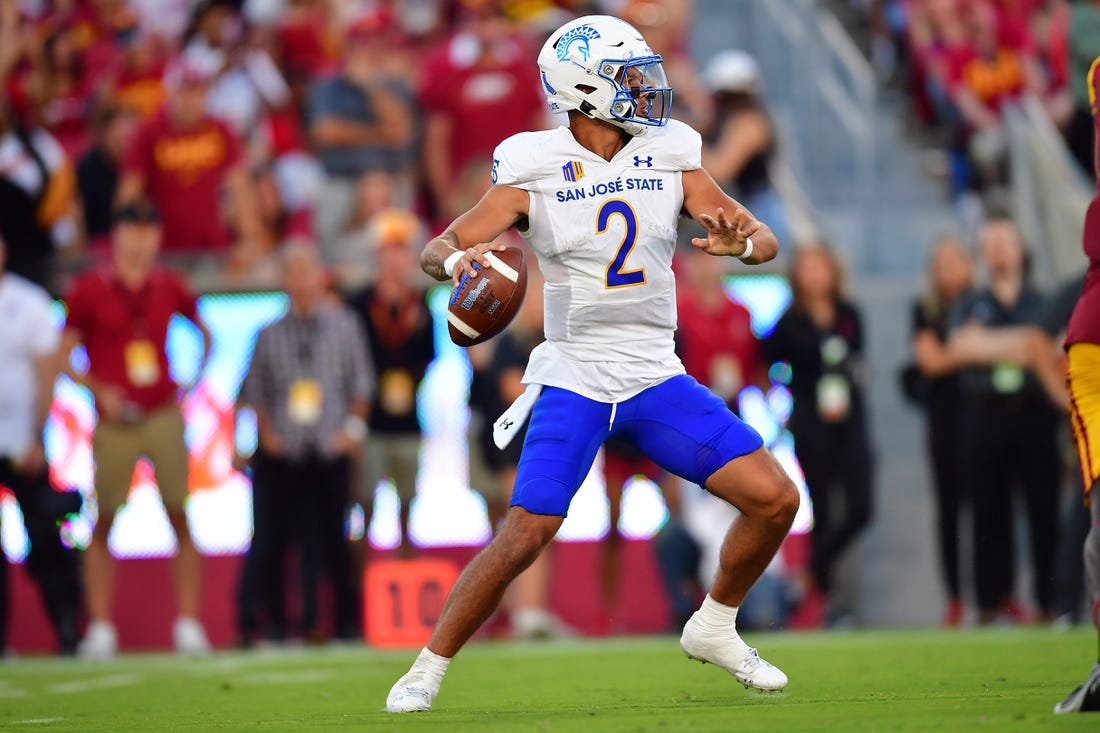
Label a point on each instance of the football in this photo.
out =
(482, 306)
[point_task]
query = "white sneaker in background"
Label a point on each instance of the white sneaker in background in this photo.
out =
(100, 641)
(538, 623)
(414, 692)
(189, 637)
(725, 649)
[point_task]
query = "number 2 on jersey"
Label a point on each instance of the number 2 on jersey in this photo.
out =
(616, 276)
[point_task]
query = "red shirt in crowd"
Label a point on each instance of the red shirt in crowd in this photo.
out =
(717, 345)
(992, 79)
(183, 171)
(1084, 324)
(485, 103)
(125, 332)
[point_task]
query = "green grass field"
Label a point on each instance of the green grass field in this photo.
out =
(995, 680)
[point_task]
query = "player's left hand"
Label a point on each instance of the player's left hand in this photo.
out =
(726, 236)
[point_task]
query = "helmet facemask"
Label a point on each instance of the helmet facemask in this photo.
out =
(643, 95)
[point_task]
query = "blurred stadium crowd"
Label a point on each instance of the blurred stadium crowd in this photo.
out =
(963, 61)
(311, 146)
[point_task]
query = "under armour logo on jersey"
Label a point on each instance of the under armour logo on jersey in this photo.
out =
(646, 161)
(573, 171)
(506, 424)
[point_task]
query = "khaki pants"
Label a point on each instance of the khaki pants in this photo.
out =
(396, 457)
(116, 447)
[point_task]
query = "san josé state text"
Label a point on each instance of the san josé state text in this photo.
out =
(617, 186)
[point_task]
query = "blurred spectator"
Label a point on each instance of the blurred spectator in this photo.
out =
(690, 555)
(622, 462)
(394, 312)
(37, 199)
(137, 81)
(249, 81)
(1010, 439)
(359, 120)
(1084, 41)
(476, 90)
(1048, 24)
(120, 313)
(182, 159)
(310, 383)
(666, 25)
(97, 173)
(993, 65)
(821, 337)
(498, 368)
(714, 338)
(304, 33)
(29, 361)
(353, 252)
(740, 142)
(951, 279)
(60, 90)
(716, 343)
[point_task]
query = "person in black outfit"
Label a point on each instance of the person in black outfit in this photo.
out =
(29, 360)
(740, 141)
(951, 277)
(97, 172)
(394, 313)
(310, 384)
(821, 337)
(1010, 431)
(35, 207)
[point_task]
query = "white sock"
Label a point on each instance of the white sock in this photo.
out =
(432, 663)
(716, 615)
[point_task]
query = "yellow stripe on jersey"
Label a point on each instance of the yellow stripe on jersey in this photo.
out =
(1091, 81)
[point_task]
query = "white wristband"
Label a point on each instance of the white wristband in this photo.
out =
(450, 262)
(748, 249)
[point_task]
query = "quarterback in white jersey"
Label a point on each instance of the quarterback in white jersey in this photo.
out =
(604, 232)
(598, 202)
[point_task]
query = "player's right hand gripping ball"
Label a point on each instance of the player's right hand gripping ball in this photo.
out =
(483, 306)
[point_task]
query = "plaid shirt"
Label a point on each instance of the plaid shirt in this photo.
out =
(328, 348)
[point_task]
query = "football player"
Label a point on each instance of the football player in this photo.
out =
(1083, 381)
(598, 202)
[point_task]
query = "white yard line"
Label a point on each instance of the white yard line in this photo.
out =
(96, 683)
(36, 721)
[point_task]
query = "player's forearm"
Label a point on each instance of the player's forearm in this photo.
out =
(436, 253)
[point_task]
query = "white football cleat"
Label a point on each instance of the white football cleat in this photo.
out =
(189, 637)
(413, 693)
(725, 649)
(100, 641)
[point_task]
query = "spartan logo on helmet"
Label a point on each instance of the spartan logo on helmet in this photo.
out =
(579, 37)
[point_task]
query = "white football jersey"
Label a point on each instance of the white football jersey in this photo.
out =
(604, 233)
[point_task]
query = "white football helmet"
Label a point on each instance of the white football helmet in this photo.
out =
(602, 67)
